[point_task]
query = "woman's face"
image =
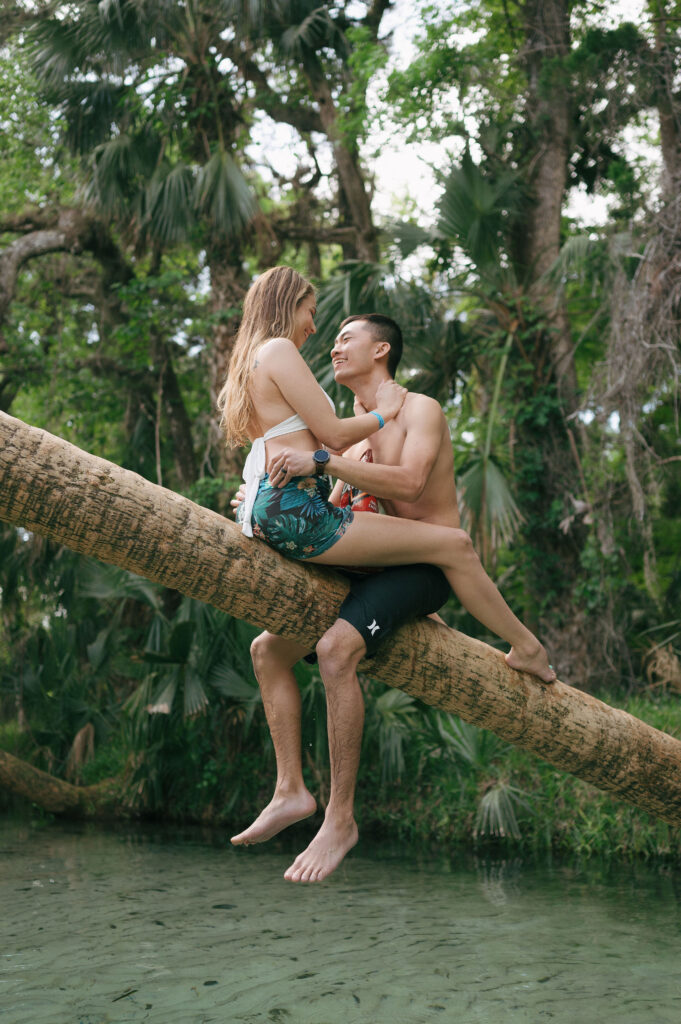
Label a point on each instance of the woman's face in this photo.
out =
(304, 320)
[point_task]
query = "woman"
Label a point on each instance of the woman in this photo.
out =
(271, 394)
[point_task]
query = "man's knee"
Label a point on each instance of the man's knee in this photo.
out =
(340, 649)
(264, 650)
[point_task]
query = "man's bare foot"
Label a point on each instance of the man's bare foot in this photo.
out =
(534, 660)
(325, 852)
(280, 812)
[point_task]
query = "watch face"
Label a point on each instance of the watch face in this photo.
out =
(320, 458)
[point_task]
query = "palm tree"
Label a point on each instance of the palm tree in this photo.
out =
(159, 123)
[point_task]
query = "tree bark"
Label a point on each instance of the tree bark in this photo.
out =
(667, 104)
(59, 797)
(99, 509)
(350, 177)
(549, 109)
(229, 284)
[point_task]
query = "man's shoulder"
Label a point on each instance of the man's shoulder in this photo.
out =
(422, 405)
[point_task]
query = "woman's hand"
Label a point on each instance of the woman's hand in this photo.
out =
(358, 408)
(389, 398)
(287, 463)
(238, 497)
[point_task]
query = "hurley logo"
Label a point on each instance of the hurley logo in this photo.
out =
(373, 627)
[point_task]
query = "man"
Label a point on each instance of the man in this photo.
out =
(408, 465)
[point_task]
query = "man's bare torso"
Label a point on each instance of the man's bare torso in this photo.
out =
(438, 502)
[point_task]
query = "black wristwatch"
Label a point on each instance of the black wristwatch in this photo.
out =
(320, 458)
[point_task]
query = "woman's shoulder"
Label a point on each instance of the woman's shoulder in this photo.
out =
(274, 347)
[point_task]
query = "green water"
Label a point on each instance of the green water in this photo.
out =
(164, 927)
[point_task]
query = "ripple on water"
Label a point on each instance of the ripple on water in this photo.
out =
(146, 926)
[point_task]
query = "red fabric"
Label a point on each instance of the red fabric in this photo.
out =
(359, 501)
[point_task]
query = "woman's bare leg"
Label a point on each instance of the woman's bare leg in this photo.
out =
(387, 540)
(273, 661)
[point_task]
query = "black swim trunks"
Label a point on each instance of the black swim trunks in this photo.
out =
(380, 603)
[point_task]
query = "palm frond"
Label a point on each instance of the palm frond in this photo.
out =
(478, 749)
(89, 111)
(162, 704)
(55, 53)
(222, 195)
(409, 236)
(572, 258)
(117, 168)
(108, 583)
(230, 683)
(486, 503)
(309, 29)
(253, 17)
(195, 697)
(169, 213)
(473, 210)
(496, 815)
(392, 716)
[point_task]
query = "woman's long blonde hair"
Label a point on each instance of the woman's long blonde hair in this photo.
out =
(269, 312)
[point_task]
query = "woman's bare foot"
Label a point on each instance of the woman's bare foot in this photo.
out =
(325, 852)
(534, 660)
(280, 812)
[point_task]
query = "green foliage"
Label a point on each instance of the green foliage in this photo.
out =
(150, 100)
(475, 211)
(32, 171)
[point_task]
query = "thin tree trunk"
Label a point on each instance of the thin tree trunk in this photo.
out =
(350, 177)
(229, 283)
(99, 509)
(178, 422)
(547, 28)
(668, 107)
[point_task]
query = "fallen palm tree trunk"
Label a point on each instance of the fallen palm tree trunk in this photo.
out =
(102, 800)
(95, 507)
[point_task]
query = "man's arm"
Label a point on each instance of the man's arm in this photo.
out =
(424, 423)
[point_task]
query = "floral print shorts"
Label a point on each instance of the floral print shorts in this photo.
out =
(298, 519)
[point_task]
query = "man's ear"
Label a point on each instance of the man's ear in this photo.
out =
(381, 350)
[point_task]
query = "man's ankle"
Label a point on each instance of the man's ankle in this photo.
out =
(341, 817)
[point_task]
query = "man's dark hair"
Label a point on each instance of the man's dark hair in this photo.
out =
(383, 328)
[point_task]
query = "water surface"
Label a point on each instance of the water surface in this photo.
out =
(176, 927)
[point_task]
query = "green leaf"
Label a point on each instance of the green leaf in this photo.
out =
(230, 683)
(195, 698)
(222, 195)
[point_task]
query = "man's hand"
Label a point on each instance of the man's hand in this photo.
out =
(289, 463)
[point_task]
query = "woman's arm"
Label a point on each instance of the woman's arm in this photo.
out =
(285, 366)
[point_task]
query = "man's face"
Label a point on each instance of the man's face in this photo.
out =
(354, 351)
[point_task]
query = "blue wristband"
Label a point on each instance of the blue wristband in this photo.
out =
(381, 421)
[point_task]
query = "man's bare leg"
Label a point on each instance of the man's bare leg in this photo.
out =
(273, 661)
(340, 651)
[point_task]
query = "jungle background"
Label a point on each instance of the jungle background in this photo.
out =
(501, 177)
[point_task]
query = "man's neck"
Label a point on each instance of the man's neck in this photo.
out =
(365, 388)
